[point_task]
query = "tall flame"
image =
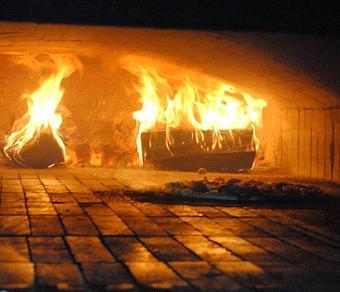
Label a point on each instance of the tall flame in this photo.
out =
(190, 100)
(42, 114)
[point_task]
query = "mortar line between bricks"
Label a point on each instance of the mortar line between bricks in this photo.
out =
(278, 255)
(30, 252)
(122, 263)
(78, 264)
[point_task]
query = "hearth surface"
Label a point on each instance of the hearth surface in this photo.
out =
(59, 229)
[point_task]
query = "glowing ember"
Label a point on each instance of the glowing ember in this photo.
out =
(42, 117)
(174, 98)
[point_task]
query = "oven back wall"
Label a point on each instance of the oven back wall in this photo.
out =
(300, 134)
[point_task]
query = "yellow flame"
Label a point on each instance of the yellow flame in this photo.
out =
(190, 100)
(42, 115)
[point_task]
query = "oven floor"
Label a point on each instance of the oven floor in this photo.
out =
(58, 230)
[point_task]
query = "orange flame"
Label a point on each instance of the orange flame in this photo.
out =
(42, 115)
(187, 99)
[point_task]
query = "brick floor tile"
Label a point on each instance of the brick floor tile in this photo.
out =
(29, 181)
(109, 276)
(78, 225)
(245, 250)
(206, 249)
(63, 276)
(152, 210)
(12, 208)
(291, 275)
(97, 209)
(12, 188)
(86, 198)
(9, 176)
(68, 209)
(94, 185)
(168, 249)
(59, 189)
(51, 181)
(128, 249)
(75, 186)
(111, 225)
(48, 250)
(10, 197)
(207, 226)
(62, 198)
(205, 277)
(143, 226)
(14, 225)
(239, 228)
(16, 276)
(283, 249)
(32, 185)
(110, 183)
(194, 269)
(30, 175)
(247, 273)
(316, 248)
(210, 211)
(48, 225)
(13, 249)
(182, 210)
(238, 212)
(88, 249)
(125, 209)
(37, 197)
(270, 227)
(41, 208)
(156, 275)
(323, 233)
(175, 226)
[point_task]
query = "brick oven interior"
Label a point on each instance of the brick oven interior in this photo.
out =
(72, 226)
(300, 123)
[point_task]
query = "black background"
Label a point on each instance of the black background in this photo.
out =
(313, 16)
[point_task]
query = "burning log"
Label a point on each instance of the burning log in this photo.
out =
(35, 140)
(190, 151)
(175, 98)
(43, 153)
